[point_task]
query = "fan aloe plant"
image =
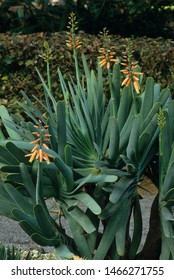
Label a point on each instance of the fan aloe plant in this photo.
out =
(80, 162)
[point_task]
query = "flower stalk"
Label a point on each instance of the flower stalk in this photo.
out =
(107, 58)
(73, 41)
(161, 121)
(107, 52)
(131, 75)
(47, 57)
(37, 152)
(39, 183)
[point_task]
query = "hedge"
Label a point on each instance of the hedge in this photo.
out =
(19, 54)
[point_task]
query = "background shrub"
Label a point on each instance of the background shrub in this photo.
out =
(20, 53)
(125, 17)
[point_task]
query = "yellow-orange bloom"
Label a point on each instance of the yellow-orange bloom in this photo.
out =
(40, 155)
(73, 43)
(106, 57)
(131, 76)
(106, 53)
(130, 70)
(37, 152)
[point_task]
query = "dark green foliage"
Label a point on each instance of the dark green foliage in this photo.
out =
(9, 253)
(18, 55)
(126, 17)
(30, 16)
(123, 17)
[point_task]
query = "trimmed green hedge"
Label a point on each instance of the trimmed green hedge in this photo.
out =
(19, 54)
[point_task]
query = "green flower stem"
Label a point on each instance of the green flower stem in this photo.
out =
(76, 66)
(39, 190)
(48, 75)
(113, 99)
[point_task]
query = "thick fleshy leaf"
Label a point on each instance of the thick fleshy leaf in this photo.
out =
(31, 223)
(62, 252)
(88, 201)
(113, 150)
(82, 219)
(148, 97)
(5, 116)
(20, 201)
(27, 180)
(76, 231)
(61, 128)
(120, 188)
(107, 237)
(96, 179)
(42, 241)
(169, 179)
(45, 221)
(124, 108)
(137, 231)
(120, 236)
(132, 148)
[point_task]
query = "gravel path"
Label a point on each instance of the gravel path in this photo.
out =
(12, 234)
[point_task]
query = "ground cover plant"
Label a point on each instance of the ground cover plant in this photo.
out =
(9, 253)
(79, 160)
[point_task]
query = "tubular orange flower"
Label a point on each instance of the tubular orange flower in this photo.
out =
(32, 156)
(45, 146)
(46, 157)
(73, 43)
(35, 148)
(126, 81)
(35, 141)
(106, 53)
(37, 152)
(106, 58)
(130, 70)
(40, 155)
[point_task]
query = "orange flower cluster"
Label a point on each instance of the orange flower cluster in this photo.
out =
(129, 71)
(37, 152)
(73, 41)
(106, 53)
(107, 57)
